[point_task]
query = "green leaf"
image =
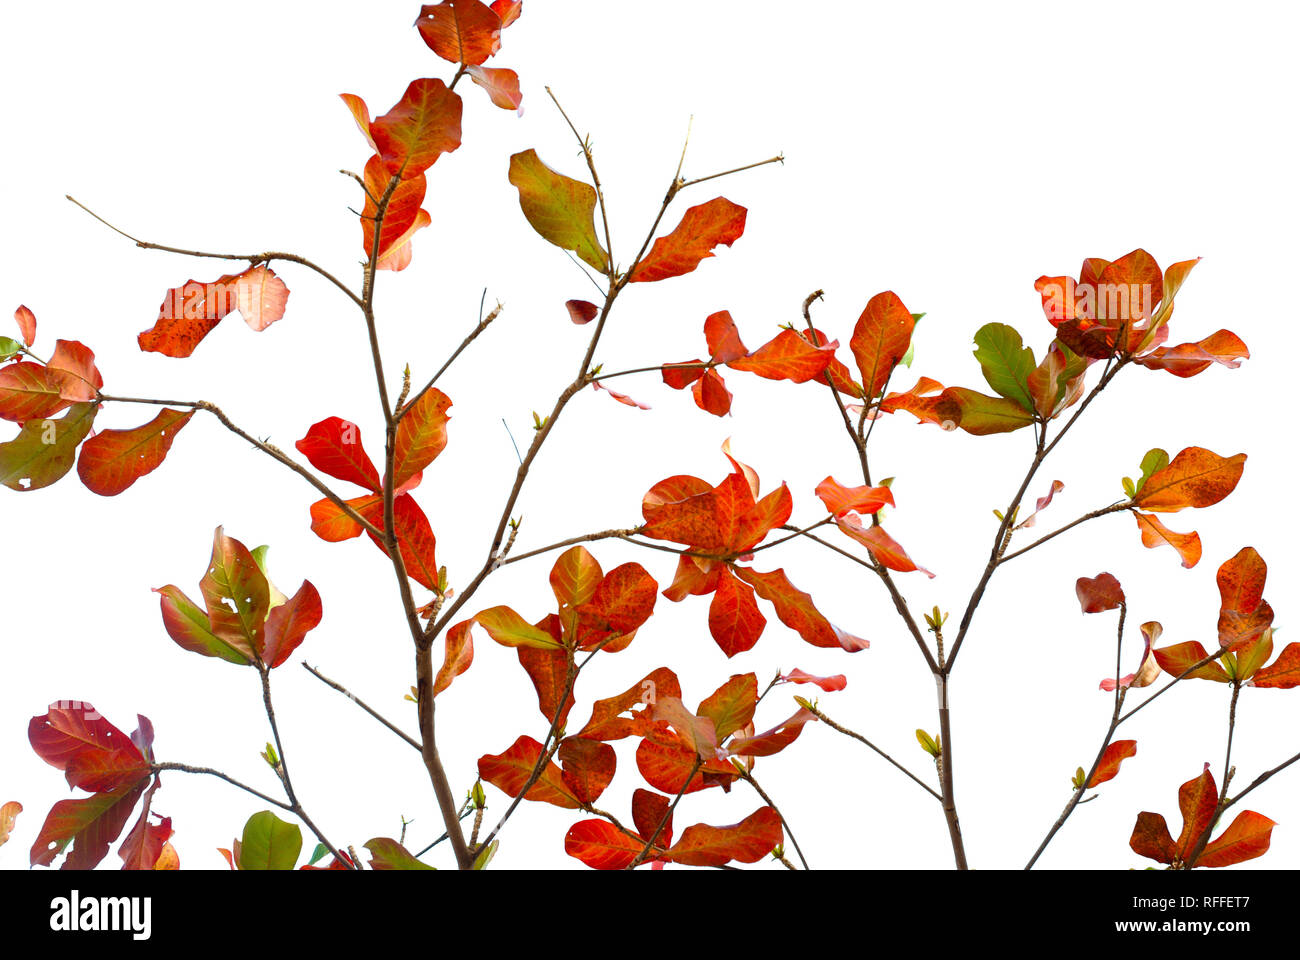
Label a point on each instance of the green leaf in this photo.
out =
(237, 594)
(510, 629)
(259, 555)
(9, 347)
(269, 843)
(1155, 459)
(982, 414)
(387, 854)
(44, 450)
(911, 347)
(319, 852)
(187, 623)
(560, 209)
(483, 859)
(1006, 363)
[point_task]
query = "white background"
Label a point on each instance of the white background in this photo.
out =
(949, 152)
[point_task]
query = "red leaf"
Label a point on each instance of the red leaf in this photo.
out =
(191, 311)
(588, 767)
(1154, 534)
(772, 741)
(711, 394)
(112, 460)
(601, 845)
(795, 609)
(333, 446)
(683, 373)
(461, 31)
(1115, 754)
(502, 86)
(1041, 504)
(144, 844)
(26, 324)
(882, 546)
(422, 126)
(880, 340)
(748, 841)
(666, 765)
(73, 366)
(836, 373)
(1151, 838)
(94, 755)
(403, 217)
(507, 10)
(1100, 593)
(415, 538)
(693, 731)
(91, 825)
(829, 684)
(1196, 478)
(459, 654)
(361, 114)
(703, 227)
(840, 500)
(787, 356)
(622, 602)
(580, 311)
(290, 622)
(1246, 838)
(735, 622)
(509, 771)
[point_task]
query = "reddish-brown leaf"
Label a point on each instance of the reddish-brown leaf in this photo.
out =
(880, 340)
(694, 731)
(716, 223)
(90, 825)
(548, 670)
(93, 754)
(112, 460)
(1115, 754)
(580, 312)
(607, 722)
(1099, 593)
(458, 655)
(290, 622)
(1151, 838)
(748, 841)
(26, 321)
(420, 128)
(143, 845)
(648, 811)
(1196, 478)
(1154, 534)
(796, 610)
(461, 31)
(509, 771)
(1189, 359)
(840, 499)
(587, 767)
(735, 622)
(882, 546)
(836, 373)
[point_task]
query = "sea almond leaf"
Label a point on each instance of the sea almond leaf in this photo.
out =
(94, 755)
(1195, 478)
(458, 655)
(1115, 754)
(548, 670)
(735, 622)
(73, 366)
(723, 338)
(1154, 534)
(601, 845)
(509, 771)
(1283, 673)
(622, 398)
(1100, 593)
(880, 339)
(8, 815)
(1198, 801)
(1178, 659)
(795, 609)
(882, 546)
(587, 767)
(361, 114)
(787, 356)
(502, 86)
(29, 391)
(1246, 838)
(1189, 359)
(187, 623)
(1241, 580)
(607, 721)
(559, 208)
(840, 499)
(748, 841)
(829, 684)
(510, 629)
(772, 741)
(44, 450)
(731, 706)
(289, 623)
(112, 460)
(188, 314)
(461, 31)
(421, 435)
(387, 854)
(403, 217)
(420, 128)
(575, 576)
(704, 227)
(91, 825)
(330, 523)
(333, 446)
(260, 296)
(711, 394)
(1151, 838)
(26, 321)
(581, 311)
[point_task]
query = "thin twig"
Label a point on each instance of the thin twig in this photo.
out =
(815, 711)
(209, 771)
(361, 703)
(749, 778)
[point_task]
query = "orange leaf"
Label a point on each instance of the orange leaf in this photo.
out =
(290, 622)
(26, 321)
(723, 338)
(402, 217)
(735, 622)
(880, 340)
(1189, 359)
(1246, 838)
(112, 460)
(1283, 673)
(1243, 612)
(711, 394)
(415, 538)
(330, 523)
(1115, 754)
(795, 609)
(421, 127)
(502, 86)
(840, 499)
(1196, 478)
(601, 845)
(29, 392)
(588, 767)
(575, 576)
(333, 446)
(787, 356)
(928, 401)
(607, 722)
(829, 684)
(8, 814)
(459, 654)
(1154, 533)
(703, 227)
(421, 435)
(882, 546)
(73, 366)
(1179, 658)
(509, 771)
(191, 311)
(548, 670)
(772, 741)
(461, 31)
